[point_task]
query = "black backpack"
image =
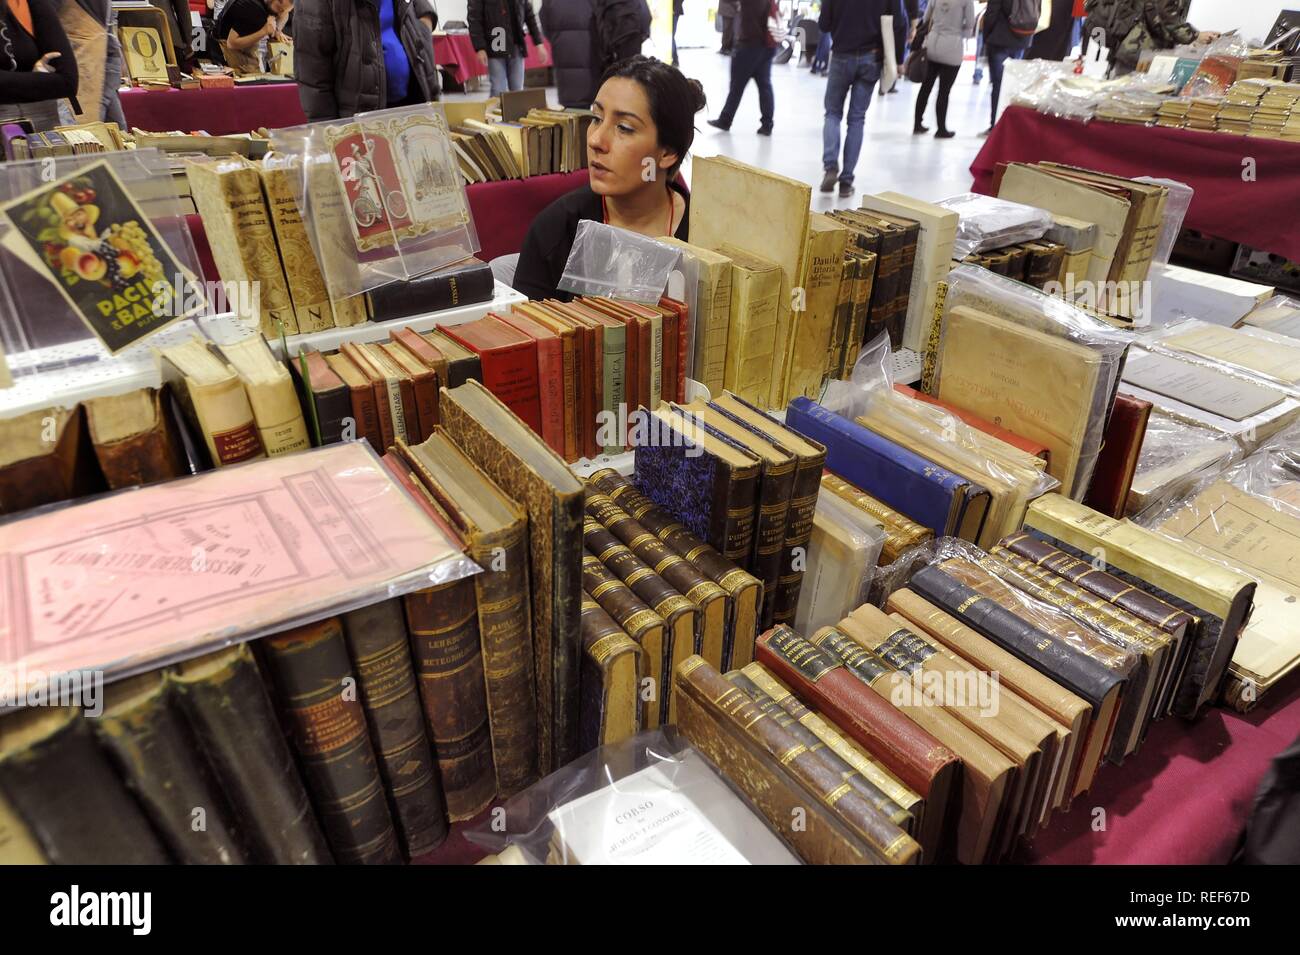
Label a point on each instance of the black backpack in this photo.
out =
(1022, 17)
(1109, 21)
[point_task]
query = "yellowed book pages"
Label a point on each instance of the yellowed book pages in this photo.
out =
(215, 397)
(814, 314)
(311, 300)
(1032, 383)
(146, 58)
(1274, 359)
(756, 288)
(712, 315)
(228, 195)
(271, 395)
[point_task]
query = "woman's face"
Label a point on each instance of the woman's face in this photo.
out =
(623, 151)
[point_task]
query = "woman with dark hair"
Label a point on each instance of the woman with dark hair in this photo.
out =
(37, 66)
(644, 126)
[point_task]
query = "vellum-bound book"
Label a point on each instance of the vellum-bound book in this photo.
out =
(676, 812)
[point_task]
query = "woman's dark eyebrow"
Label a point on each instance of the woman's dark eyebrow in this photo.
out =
(625, 114)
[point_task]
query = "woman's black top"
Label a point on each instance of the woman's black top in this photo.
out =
(550, 237)
(19, 52)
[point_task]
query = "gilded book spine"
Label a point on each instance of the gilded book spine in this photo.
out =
(443, 623)
(317, 691)
(381, 653)
(311, 301)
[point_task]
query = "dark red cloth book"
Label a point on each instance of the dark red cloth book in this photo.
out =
(509, 360)
(1121, 442)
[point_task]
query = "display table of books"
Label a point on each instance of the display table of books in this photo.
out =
(1244, 186)
(268, 105)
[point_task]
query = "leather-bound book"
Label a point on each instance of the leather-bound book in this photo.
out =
(425, 383)
(495, 530)
(988, 777)
(428, 355)
(860, 317)
(642, 625)
(810, 458)
(307, 290)
(394, 391)
(919, 760)
(1046, 649)
(679, 573)
(64, 787)
(538, 480)
(509, 360)
(864, 764)
(711, 485)
(680, 615)
(326, 397)
(445, 646)
(744, 589)
(271, 394)
(361, 395)
(592, 332)
(568, 354)
(35, 470)
(465, 283)
(317, 692)
(843, 317)
(462, 364)
(779, 775)
(550, 377)
(810, 342)
(611, 680)
(1120, 444)
(231, 716)
(134, 438)
(791, 724)
(901, 532)
(381, 655)
(215, 402)
(18, 845)
(155, 752)
(1181, 626)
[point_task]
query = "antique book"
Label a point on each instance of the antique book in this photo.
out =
(775, 488)
(135, 438)
(381, 657)
(361, 395)
(18, 846)
(495, 530)
(1037, 449)
(394, 392)
(681, 617)
(235, 725)
(64, 787)
(840, 560)
(1070, 714)
(538, 481)
(464, 283)
(987, 775)
(642, 625)
(1184, 387)
(215, 400)
(271, 394)
(860, 317)
(424, 381)
(743, 589)
(710, 484)
(228, 193)
(462, 364)
(757, 287)
(896, 259)
(878, 275)
(325, 398)
(567, 376)
(843, 317)
(775, 770)
(550, 377)
(311, 670)
(1036, 384)
(909, 752)
(509, 360)
(1118, 459)
(611, 680)
(1036, 641)
(707, 595)
(810, 338)
(906, 804)
(1274, 357)
(902, 479)
(901, 532)
(712, 317)
(448, 658)
(46, 456)
(614, 370)
(148, 738)
(1220, 596)
(938, 231)
(810, 456)
(307, 290)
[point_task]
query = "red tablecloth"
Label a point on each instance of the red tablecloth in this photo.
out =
(1263, 212)
(1183, 798)
(455, 53)
(220, 112)
(504, 210)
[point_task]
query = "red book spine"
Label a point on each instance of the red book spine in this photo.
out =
(426, 402)
(598, 399)
(550, 383)
(645, 345)
(671, 370)
(510, 373)
(683, 341)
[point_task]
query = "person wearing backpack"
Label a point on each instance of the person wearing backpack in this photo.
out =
(1009, 27)
(949, 22)
(1130, 27)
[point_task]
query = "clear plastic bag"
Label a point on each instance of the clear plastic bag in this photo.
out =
(1175, 455)
(1032, 363)
(1218, 68)
(646, 800)
(615, 263)
(839, 570)
(1279, 315)
(990, 223)
(1270, 357)
(1177, 203)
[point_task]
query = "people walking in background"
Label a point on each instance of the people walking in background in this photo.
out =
(752, 60)
(677, 15)
(575, 49)
(822, 58)
(1056, 42)
(950, 23)
(623, 26)
(37, 65)
(856, 59)
(728, 11)
(980, 58)
(496, 28)
(1004, 41)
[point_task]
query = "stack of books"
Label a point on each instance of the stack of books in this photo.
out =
(1240, 102)
(1134, 107)
(1173, 112)
(1262, 64)
(1203, 113)
(1278, 114)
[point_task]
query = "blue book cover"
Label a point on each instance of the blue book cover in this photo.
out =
(894, 475)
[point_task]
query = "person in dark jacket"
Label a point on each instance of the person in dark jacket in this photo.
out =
(728, 11)
(570, 25)
(37, 65)
(751, 60)
(623, 25)
(678, 10)
(243, 25)
(1001, 43)
(857, 56)
(1057, 40)
(351, 56)
(496, 28)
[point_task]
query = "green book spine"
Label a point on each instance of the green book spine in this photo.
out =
(615, 364)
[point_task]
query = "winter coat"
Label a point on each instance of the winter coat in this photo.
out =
(497, 26)
(570, 25)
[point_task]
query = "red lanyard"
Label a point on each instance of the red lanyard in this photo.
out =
(604, 212)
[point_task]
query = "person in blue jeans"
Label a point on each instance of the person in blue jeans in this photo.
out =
(1001, 43)
(822, 58)
(751, 60)
(856, 60)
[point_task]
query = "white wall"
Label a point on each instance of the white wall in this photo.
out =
(1252, 17)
